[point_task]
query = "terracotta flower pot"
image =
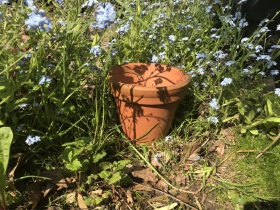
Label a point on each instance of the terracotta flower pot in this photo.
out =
(147, 96)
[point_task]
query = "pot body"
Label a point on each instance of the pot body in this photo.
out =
(146, 96)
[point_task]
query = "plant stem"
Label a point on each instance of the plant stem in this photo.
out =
(270, 145)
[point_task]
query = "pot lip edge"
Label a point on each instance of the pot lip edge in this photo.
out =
(185, 82)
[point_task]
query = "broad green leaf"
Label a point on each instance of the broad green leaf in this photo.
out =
(268, 108)
(251, 115)
(273, 119)
(105, 174)
(115, 178)
(74, 166)
(106, 165)
(241, 108)
(6, 137)
(254, 131)
(99, 156)
(236, 116)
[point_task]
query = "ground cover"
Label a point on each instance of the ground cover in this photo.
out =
(61, 143)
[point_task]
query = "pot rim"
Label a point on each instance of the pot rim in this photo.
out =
(185, 80)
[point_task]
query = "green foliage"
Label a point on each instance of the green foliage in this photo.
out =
(114, 172)
(6, 137)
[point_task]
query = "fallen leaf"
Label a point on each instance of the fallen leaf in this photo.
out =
(140, 187)
(49, 187)
(70, 197)
(24, 38)
(182, 196)
(162, 185)
(97, 192)
(171, 206)
(12, 172)
(146, 174)
(220, 147)
(34, 193)
(228, 135)
(81, 201)
(129, 198)
(190, 152)
(160, 198)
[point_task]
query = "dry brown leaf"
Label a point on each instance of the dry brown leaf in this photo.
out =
(228, 135)
(56, 177)
(169, 207)
(190, 152)
(162, 185)
(70, 197)
(160, 198)
(160, 158)
(81, 201)
(140, 187)
(49, 187)
(34, 193)
(97, 192)
(220, 147)
(182, 196)
(129, 198)
(24, 38)
(146, 174)
(12, 172)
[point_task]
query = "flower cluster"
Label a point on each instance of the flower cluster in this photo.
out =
(39, 21)
(31, 140)
(105, 15)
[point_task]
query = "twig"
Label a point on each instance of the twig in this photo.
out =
(171, 196)
(270, 145)
(162, 177)
(245, 151)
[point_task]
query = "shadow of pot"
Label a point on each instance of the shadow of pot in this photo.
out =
(147, 96)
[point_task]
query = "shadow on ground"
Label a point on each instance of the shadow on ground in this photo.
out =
(262, 205)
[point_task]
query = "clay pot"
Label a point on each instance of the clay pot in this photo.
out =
(147, 96)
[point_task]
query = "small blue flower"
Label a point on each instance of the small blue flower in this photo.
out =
(105, 15)
(31, 140)
(214, 104)
(154, 59)
(264, 29)
(123, 29)
(30, 5)
(230, 63)
(96, 50)
(23, 105)
(264, 57)
(172, 38)
(168, 138)
(38, 21)
(213, 119)
(61, 22)
(200, 71)
(45, 79)
(226, 81)
(274, 72)
(59, 1)
(157, 156)
(200, 55)
(277, 91)
(185, 38)
(89, 3)
(278, 28)
(4, 1)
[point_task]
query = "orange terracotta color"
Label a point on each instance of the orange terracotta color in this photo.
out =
(147, 96)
